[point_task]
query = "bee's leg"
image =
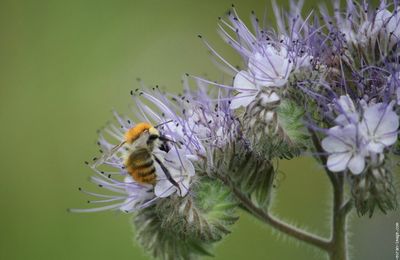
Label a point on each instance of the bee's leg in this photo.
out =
(167, 174)
(166, 139)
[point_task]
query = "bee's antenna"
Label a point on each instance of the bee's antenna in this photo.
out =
(163, 123)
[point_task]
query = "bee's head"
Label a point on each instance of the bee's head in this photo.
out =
(135, 132)
(153, 133)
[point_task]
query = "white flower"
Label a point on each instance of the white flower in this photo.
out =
(379, 126)
(180, 168)
(345, 149)
(248, 90)
(270, 67)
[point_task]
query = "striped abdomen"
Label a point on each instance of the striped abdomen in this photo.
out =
(140, 166)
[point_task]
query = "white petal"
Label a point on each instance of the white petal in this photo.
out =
(334, 145)
(388, 124)
(164, 188)
(189, 168)
(184, 186)
(337, 162)
(357, 164)
(243, 80)
(388, 139)
(380, 121)
(242, 99)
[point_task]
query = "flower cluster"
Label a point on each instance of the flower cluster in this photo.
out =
(360, 134)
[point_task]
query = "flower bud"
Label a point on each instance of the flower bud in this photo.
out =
(374, 188)
(274, 127)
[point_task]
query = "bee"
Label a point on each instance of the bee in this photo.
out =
(140, 160)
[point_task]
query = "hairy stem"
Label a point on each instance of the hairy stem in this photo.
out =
(264, 216)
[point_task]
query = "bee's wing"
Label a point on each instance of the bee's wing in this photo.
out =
(107, 155)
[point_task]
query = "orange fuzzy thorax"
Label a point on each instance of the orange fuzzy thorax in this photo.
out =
(136, 131)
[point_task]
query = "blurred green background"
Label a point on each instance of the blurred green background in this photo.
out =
(63, 66)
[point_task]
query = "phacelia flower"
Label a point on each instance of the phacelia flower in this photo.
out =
(359, 134)
(345, 148)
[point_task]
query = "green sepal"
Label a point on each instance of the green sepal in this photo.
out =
(187, 227)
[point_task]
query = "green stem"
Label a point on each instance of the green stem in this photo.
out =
(338, 249)
(276, 223)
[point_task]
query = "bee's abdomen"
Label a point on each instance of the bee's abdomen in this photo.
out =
(140, 166)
